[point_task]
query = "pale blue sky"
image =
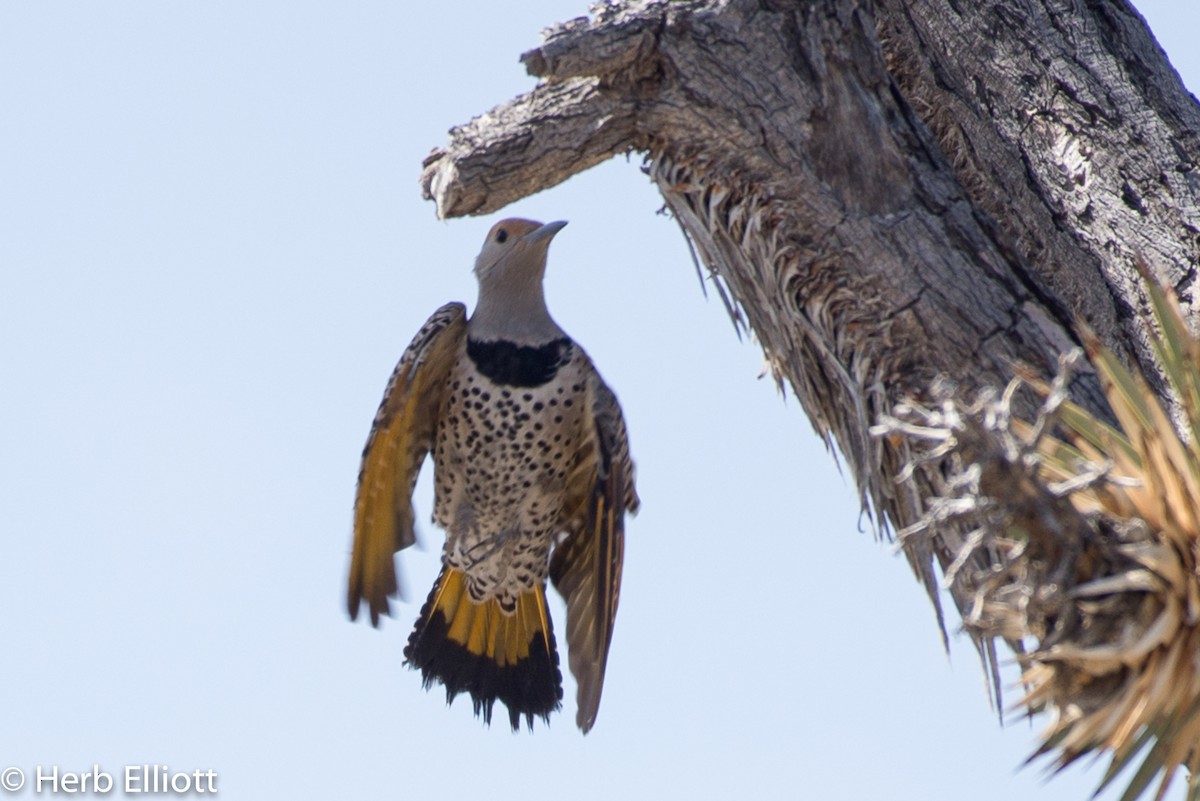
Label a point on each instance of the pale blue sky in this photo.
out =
(214, 250)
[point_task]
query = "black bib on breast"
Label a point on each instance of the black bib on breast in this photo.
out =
(516, 365)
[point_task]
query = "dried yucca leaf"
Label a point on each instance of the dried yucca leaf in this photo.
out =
(1093, 536)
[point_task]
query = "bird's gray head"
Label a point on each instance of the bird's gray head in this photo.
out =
(515, 249)
(510, 268)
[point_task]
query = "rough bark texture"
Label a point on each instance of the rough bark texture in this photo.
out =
(895, 193)
(1065, 123)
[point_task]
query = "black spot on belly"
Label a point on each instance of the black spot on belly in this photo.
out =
(519, 365)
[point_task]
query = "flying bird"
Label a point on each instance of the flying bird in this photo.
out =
(532, 478)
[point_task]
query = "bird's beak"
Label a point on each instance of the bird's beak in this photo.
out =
(546, 231)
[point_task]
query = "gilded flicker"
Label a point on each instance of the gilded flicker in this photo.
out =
(532, 478)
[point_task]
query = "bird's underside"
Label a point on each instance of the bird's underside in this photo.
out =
(532, 478)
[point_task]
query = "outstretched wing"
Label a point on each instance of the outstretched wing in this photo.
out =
(400, 438)
(586, 566)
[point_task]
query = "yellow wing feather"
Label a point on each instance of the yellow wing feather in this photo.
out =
(586, 567)
(400, 438)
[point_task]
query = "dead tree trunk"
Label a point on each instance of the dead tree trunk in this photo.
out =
(897, 194)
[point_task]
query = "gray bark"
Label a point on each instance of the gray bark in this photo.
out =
(894, 193)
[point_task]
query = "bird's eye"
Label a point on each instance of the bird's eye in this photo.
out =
(501, 235)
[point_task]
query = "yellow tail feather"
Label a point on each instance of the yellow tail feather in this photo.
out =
(493, 655)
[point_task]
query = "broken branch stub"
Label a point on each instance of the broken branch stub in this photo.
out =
(533, 142)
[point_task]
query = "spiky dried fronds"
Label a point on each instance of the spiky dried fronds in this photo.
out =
(1093, 542)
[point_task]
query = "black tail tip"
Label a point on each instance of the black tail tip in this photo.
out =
(530, 688)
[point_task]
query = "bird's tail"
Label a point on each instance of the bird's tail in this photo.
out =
(480, 649)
